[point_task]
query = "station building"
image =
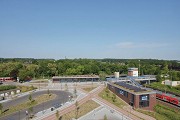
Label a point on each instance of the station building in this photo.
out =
(75, 78)
(135, 96)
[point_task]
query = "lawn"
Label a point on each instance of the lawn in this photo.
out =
(83, 109)
(162, 112)
(7, 87)
(22, 88)
(167, 88)
(88, 89)
(26, 88)
(118, 102)
(27, 104)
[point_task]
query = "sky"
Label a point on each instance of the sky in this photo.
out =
(58, 29)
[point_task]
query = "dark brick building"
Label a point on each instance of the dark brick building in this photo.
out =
(135, 96)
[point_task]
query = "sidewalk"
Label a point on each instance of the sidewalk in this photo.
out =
(106, 108)
(128, 111)
(69, 108)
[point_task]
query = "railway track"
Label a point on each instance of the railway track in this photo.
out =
(168, 104)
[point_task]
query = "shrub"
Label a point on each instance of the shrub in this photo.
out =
(7, 87)
(167, 112)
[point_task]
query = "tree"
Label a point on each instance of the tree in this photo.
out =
(107, 92)
(1, 107)
(158, 78)
(105, 117)
(114, 98)
(60, 118)
(77, 109)
(30, 98)
(102, 75)
(57, 114)
(31, 111)
(66, 87)
(52, 69)
(48, 92)
(75, 92)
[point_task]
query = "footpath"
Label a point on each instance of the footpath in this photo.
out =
(127, 111)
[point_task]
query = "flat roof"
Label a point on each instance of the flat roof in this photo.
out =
(132, 89)
(75, 77)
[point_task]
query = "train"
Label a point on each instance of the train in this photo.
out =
(3, 79)
(168, 98)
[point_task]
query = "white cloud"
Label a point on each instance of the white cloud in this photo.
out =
(140, 45)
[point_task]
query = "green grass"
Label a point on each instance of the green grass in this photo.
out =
(165, 111)
(167, 88)
(7, 87)
(26, 88)
(40, 81)
(22, 88)
(162, 112)
(118, 102)
(27, 104)
(83, 109)
(88, 89)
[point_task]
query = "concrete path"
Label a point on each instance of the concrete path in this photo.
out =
(120, 113)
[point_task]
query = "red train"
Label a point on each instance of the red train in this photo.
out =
(168, 98)
(3, 79)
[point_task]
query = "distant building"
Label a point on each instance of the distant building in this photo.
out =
(133, 72)
(171, 83)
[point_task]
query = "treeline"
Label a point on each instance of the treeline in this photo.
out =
(26, 68)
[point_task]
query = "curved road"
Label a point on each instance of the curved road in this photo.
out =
(61, 97)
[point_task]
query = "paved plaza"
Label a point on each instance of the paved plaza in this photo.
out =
(101, 112)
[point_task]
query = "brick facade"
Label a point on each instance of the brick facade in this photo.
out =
(134, 99)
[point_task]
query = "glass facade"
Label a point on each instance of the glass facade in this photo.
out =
(144, 101)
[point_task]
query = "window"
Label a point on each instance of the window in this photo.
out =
(143, 100)
(122, 92)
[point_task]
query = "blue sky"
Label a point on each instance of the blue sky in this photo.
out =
(90, 29)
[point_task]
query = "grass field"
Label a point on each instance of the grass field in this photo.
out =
(162, 112)
(83, 109)
(118, 102)
(88, 89)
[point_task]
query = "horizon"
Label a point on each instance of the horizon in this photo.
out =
(94, 59)
(90, 29)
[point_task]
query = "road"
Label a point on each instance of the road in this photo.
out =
(62, 97)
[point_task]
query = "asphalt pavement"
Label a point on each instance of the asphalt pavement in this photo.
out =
(62, 97)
